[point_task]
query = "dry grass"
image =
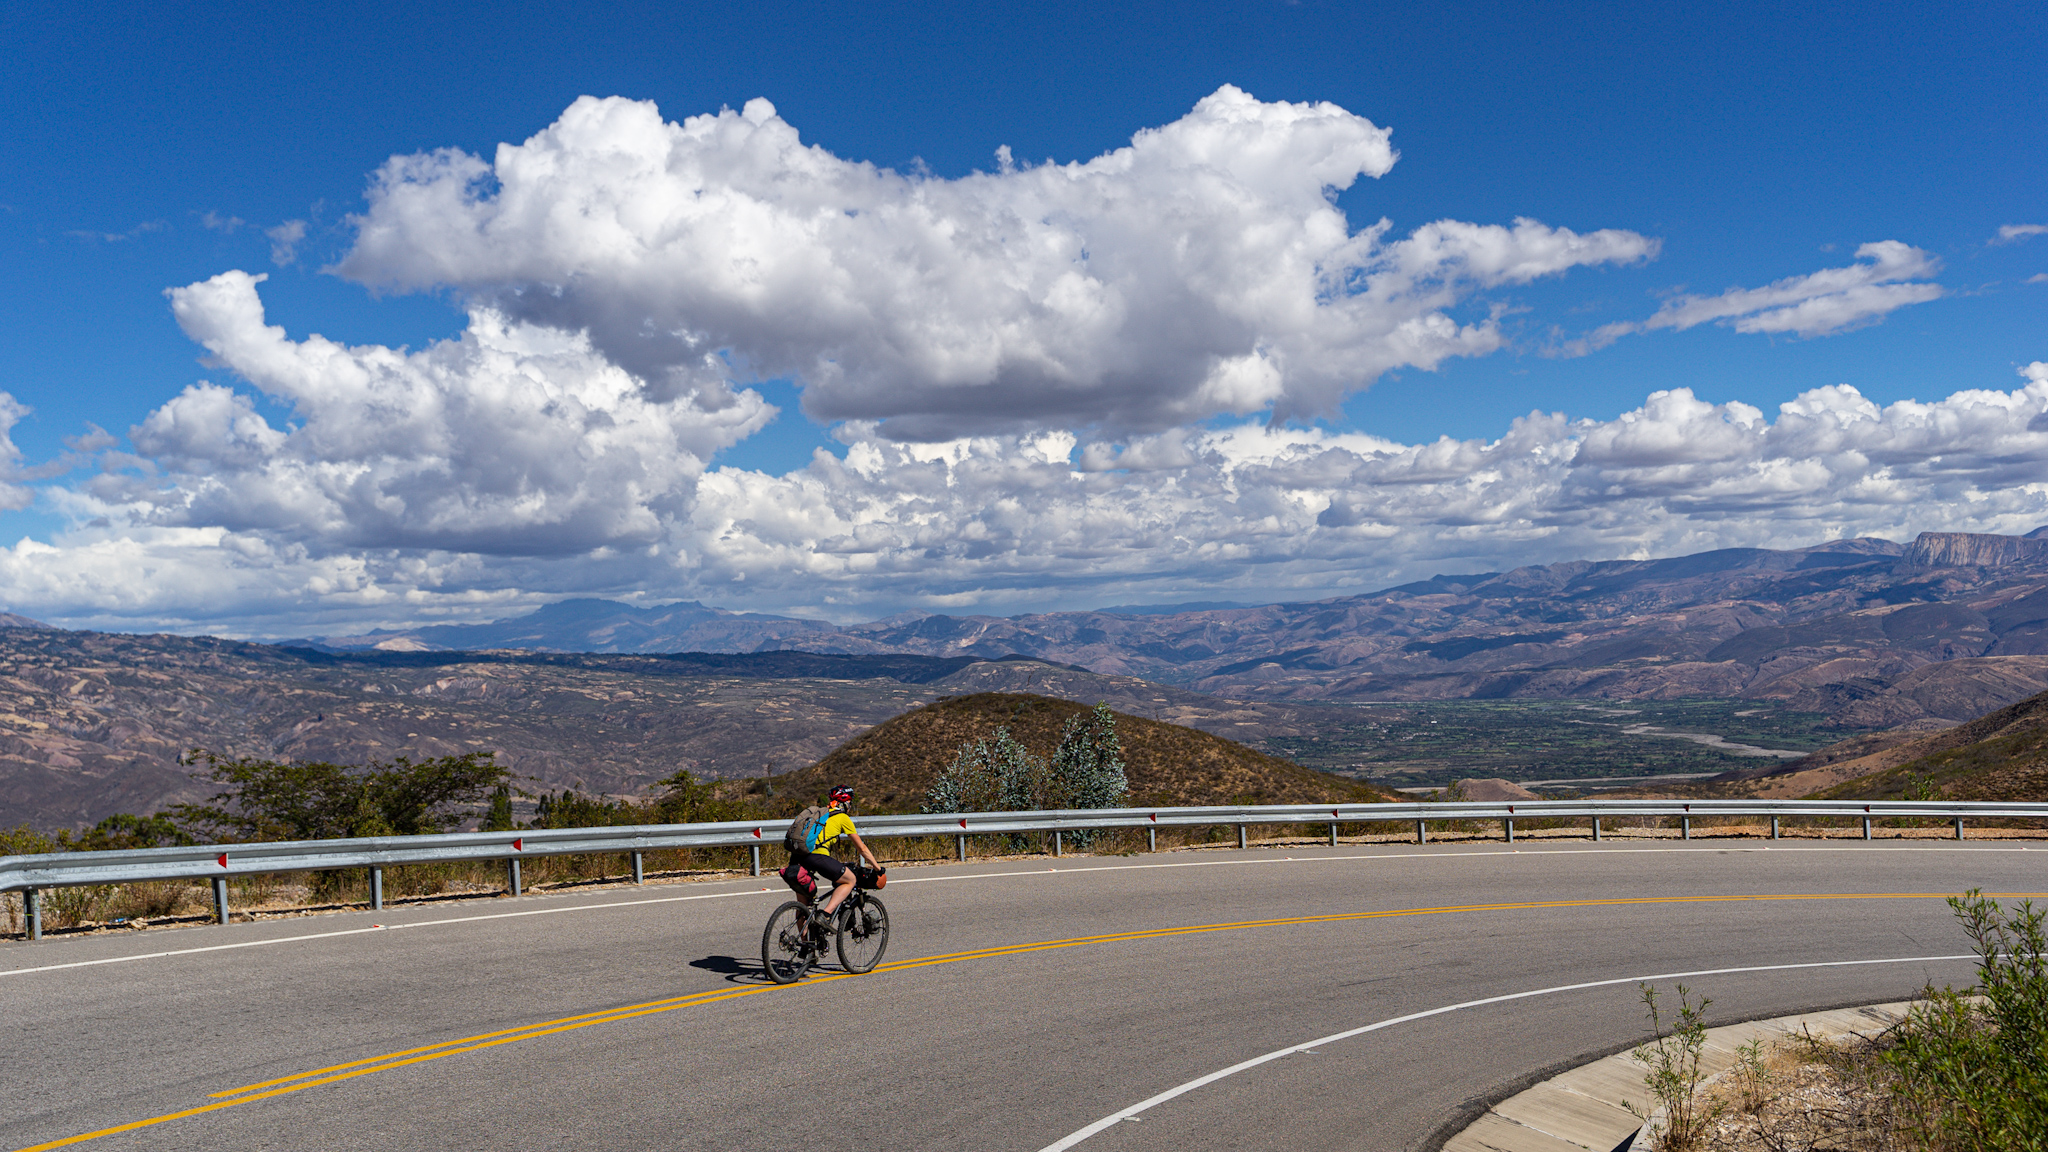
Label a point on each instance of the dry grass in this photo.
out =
(1806, 1095)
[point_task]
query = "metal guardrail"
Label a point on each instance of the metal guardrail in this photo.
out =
(218, 862)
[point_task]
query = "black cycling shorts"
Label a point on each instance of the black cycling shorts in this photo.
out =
(820, 865)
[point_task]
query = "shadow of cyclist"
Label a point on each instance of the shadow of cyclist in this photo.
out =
(734, 969)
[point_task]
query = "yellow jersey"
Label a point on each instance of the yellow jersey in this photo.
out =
(837, 826)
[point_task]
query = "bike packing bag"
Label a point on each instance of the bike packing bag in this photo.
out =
(800, 881)
(803, 830)
(869, 877)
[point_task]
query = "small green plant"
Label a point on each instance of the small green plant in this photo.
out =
(1675, 1072)
(1752, 1077)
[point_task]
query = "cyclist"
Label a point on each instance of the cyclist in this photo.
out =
(836, 826)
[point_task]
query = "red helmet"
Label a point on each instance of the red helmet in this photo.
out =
(842, 795)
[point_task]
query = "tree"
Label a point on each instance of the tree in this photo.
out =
(994, 775)
(686, 800)
(270, 800)
(1088, 766)
(1001, 775)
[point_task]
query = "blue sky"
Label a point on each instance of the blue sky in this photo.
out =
(151, 148)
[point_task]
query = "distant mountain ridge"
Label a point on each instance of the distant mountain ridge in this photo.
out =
(1837, 628)
(96, 723)
(586, 625)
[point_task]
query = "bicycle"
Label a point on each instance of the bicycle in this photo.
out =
(797, 936)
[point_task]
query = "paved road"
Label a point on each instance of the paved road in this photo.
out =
(1013, 1046)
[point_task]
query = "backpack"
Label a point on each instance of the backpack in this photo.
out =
(803, 831)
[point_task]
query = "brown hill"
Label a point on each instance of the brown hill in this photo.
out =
(892, 764)
(1999, 756)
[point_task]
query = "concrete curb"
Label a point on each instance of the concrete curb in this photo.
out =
(1587, 1108)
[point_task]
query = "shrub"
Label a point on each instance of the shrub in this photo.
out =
(125, 831)
(686, 800)
(269, 800)
(1676, 1073)
(1976, 1077)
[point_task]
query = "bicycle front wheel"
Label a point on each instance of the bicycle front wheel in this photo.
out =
(784, 952)
(863, 935)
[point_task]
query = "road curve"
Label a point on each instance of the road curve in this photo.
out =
(1021, 1003)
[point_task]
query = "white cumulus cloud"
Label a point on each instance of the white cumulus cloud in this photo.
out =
(514, 439)
(1201, 270)
(1005, 522)
(1028, 366)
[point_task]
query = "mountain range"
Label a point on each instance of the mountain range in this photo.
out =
(1859, 634)
(94, 723)
(1867, 630)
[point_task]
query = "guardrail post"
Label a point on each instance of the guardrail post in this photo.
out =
(1866, 827)
(1240, 837)
(376, 889)
(1421, 833)
(220, 899)
(512, 884)
(1959, 827)
(1685, 827)
(640, 868)
(1055, 841)
(33, 898)
(1596, 829)
(1509, 823)
(1774, 827)
(1333, 835)
(960, 842)
(1151, 840)
(757, 859)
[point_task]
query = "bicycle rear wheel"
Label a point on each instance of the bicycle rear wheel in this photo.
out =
(784, 952)
(863, 934)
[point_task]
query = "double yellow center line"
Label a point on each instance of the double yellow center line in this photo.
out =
(334, 1073)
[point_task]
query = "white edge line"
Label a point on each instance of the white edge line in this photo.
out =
(979, 876)
(378, 928)
(1131, 1112)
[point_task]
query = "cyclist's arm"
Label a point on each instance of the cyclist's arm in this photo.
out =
(862, 847)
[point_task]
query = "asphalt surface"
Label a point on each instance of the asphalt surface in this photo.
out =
(1008, 1047)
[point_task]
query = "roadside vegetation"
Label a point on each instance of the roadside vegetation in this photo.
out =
(267, 800)
(1965, 1071)
(1086, 770)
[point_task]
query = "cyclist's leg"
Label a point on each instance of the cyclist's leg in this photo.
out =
(839, 874)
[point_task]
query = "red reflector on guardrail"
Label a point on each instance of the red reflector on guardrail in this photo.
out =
(757, 833)
(519, 844)
(223, 859)
(963, 823)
